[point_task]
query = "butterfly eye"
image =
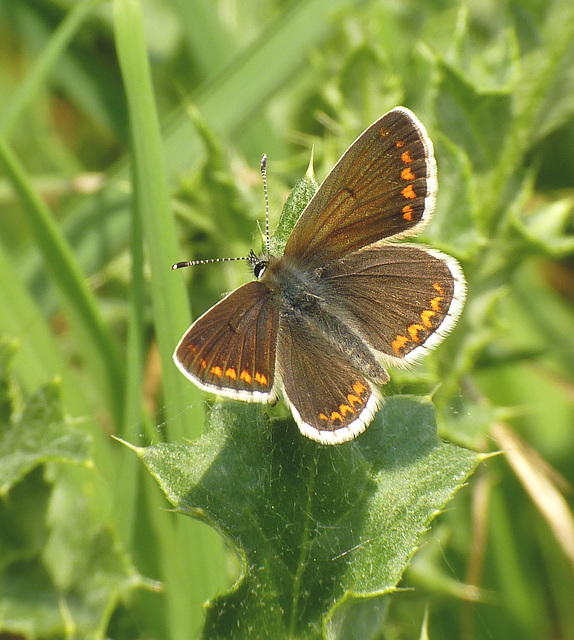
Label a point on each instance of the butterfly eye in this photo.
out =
(259, 268)
(258, 264)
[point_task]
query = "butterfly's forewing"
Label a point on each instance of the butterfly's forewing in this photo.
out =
(231, 348)
(402, 299)
(331, 400)
(385, 184)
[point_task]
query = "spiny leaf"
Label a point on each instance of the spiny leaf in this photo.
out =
(39, 435)
(311, 523)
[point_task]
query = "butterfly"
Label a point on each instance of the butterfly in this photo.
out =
(320, 323)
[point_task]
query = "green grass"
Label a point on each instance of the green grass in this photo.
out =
(130, 139)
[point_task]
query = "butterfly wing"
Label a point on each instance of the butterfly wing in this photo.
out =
(385, 184)
(330, 399)
(231, 348)
(401, 299)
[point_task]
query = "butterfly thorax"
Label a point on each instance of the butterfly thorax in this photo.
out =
(296, 287)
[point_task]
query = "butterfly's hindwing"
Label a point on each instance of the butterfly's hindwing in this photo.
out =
(402, 299)
(331, 400)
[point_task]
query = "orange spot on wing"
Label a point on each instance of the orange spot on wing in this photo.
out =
(414, 331)
(435, 303)
(407, 174)
(345, 408)
(399, 144)
(407, 212)
(406, 157)
(336, 416)
(426, 316)
(408, 192)
(323, 417)
(261, 378)
(231, 373)
(437, 286)
(203, 363)
(217, 371)
(359, 388)
(245, 375)
(354, 399)
(399, 342)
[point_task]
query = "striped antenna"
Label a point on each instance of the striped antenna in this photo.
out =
(264, 176)
(193, 263)
(251, 258)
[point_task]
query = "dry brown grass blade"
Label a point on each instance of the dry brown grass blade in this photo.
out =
(540, 484)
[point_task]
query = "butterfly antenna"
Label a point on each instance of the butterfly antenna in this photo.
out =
(251, 258)
(264, 176)
(193, 263)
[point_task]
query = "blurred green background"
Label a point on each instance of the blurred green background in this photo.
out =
(130, 138)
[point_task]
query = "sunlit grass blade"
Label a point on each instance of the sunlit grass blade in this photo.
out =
(187, 578)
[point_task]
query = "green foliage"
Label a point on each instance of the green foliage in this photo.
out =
(313, 524)
(62, 570)
(97, 151)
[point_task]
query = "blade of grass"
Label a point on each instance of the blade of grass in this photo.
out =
(126, 499)
(152, 203)
(188, 581)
